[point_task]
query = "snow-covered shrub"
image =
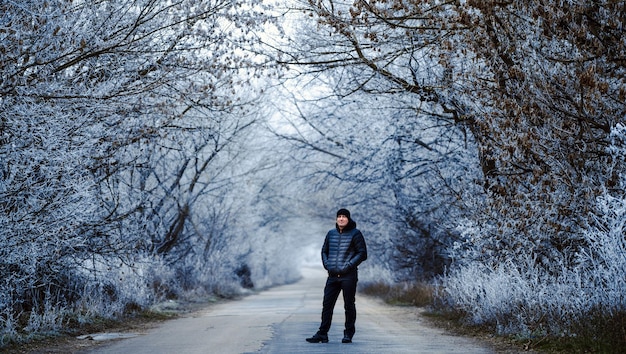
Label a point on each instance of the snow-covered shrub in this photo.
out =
(521, 297)
(516, 293)
(8, 322)
(604, 259)
(513, 298)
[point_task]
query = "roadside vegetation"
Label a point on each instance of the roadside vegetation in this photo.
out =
(66, 340)
(404, 294)
(596, 333)
(70, 337)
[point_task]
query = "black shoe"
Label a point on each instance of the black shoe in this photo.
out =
(318, 338)
(346, 339)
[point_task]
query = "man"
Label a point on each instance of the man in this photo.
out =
(343, 250)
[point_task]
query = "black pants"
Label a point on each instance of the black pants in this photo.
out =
(335, 285)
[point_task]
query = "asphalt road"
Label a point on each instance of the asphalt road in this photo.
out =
(279, 320)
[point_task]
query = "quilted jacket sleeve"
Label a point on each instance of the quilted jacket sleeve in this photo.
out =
(361, 250)
(325, 249)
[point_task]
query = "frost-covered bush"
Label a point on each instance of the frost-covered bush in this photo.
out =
(518, 296)
(603, 260)
(515, 298)
(516, 293)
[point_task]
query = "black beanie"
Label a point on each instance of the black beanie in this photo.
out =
(344, 212)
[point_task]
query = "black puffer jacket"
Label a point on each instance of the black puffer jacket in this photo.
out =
(342, 252)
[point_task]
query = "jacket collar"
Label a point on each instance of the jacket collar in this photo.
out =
(351, 226)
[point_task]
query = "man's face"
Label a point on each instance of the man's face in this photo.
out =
(342, 221)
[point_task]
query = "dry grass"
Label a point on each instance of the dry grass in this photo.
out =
(404, 294)
(600, 332)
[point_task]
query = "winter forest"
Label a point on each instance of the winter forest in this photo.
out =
(158, 149)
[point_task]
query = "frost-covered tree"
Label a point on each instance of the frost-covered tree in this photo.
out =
(383, 121)
(552, 91)
(119, 121)
(405, 176)
(539, 87)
